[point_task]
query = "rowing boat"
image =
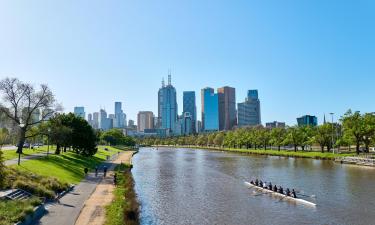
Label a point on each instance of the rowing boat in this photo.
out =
(284, 197)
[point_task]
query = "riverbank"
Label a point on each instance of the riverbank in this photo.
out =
(282, 153)
(110, 204)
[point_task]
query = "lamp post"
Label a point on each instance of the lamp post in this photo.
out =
(49, 131)
(19, 152)
(333, 148)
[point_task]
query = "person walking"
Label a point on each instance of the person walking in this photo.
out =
(115, 179)
(105, 171)
(86, 171)
(96, 171)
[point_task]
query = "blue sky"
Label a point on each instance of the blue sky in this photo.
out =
(304, 57)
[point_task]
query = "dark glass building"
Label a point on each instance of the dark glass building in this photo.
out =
(191, 108)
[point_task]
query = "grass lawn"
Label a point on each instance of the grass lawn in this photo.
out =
(67, 167)
(11, 154)
(15, 211)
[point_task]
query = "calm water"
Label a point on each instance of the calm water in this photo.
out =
(204, 187)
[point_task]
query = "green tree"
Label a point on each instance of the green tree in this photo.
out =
(278, 136)
(307, 136)
(4, 137)
(219, 139)
(368, 129)
(112, 136)
(294, 137)
(323, 135)
(264, 136)
(210, 139)
(353, 127)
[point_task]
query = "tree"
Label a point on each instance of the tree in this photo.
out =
(294, 137)
(22, 103)
(264, 136)
(83, 137)
(112, 136)
(353, 127)
(219, 139)
(323, 135)
(57, 133)
(278, 136)
(4, 136)
(368, 129)
(306, 134)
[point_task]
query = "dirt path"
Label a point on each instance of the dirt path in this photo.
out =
(93, 212)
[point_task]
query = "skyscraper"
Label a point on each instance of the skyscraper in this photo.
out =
(249, 111)
(210, 110)
(167, 105)
(95, 121)
(191, 108)
(145, 120)
(119, 120)
(227, 108)
(79, 111)
(105, 123)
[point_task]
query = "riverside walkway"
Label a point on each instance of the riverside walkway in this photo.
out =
(68, 209)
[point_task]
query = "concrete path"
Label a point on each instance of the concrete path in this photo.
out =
(68, 209)
(93, 212)
(24, 158)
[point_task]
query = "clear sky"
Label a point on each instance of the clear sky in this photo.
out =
(304, 57)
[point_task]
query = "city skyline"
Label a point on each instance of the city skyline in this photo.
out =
(301, 56)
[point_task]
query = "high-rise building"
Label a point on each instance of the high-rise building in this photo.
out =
(307, 120)
(275, 124)
(105, 123)
(249, 111)
(95, 121)
(167, 105)
(145, 120)
(227, 108)
(80, 112)
(119, 121)
(89, 119)
(187, 124)
(210, 110)
(191, 108)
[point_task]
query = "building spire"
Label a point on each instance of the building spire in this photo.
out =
(169, 77)
(162, 82)
(324, 121)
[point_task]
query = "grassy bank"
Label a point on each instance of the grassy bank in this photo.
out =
(12, 212)
(124, 208)
(67, 167)
(11, 154)
(283, 153)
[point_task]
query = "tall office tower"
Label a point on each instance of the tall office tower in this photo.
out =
(95, 122)
(80, 111)
(210, 110)
(227, 108)
(145, 120)
(89, 119)
(249, 111)
(167, 105)
(191, 108)
(105, 123)
(307, 120)
(120, 117)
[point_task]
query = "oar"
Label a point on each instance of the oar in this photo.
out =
(308, 196)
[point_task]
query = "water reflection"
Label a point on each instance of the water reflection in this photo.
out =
(206, 187)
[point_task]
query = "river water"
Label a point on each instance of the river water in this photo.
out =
(184, 186)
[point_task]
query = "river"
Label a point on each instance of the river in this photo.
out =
(185, 186)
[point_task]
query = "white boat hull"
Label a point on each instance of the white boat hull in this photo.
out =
(284, 197)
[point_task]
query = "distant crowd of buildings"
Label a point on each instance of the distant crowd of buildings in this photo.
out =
(219, 112)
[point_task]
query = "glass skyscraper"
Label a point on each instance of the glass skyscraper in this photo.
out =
(191, 108)
(210, 110)
(167, 106)
(227, 108)
(249, 111)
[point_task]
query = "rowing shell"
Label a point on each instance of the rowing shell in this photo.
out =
(284, 197)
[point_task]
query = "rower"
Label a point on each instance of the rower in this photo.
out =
(270, 186)
(294, 194)
(260, 183)
(281, 190)
(287, 192)
(256, 182)
(252, 182)
(275, 188)
(265, 185)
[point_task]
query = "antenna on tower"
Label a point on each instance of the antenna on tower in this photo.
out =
(169, 77)
(162, 82)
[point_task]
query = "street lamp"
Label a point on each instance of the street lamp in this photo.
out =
(19, 152)
(49, 131)
(333, 148)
